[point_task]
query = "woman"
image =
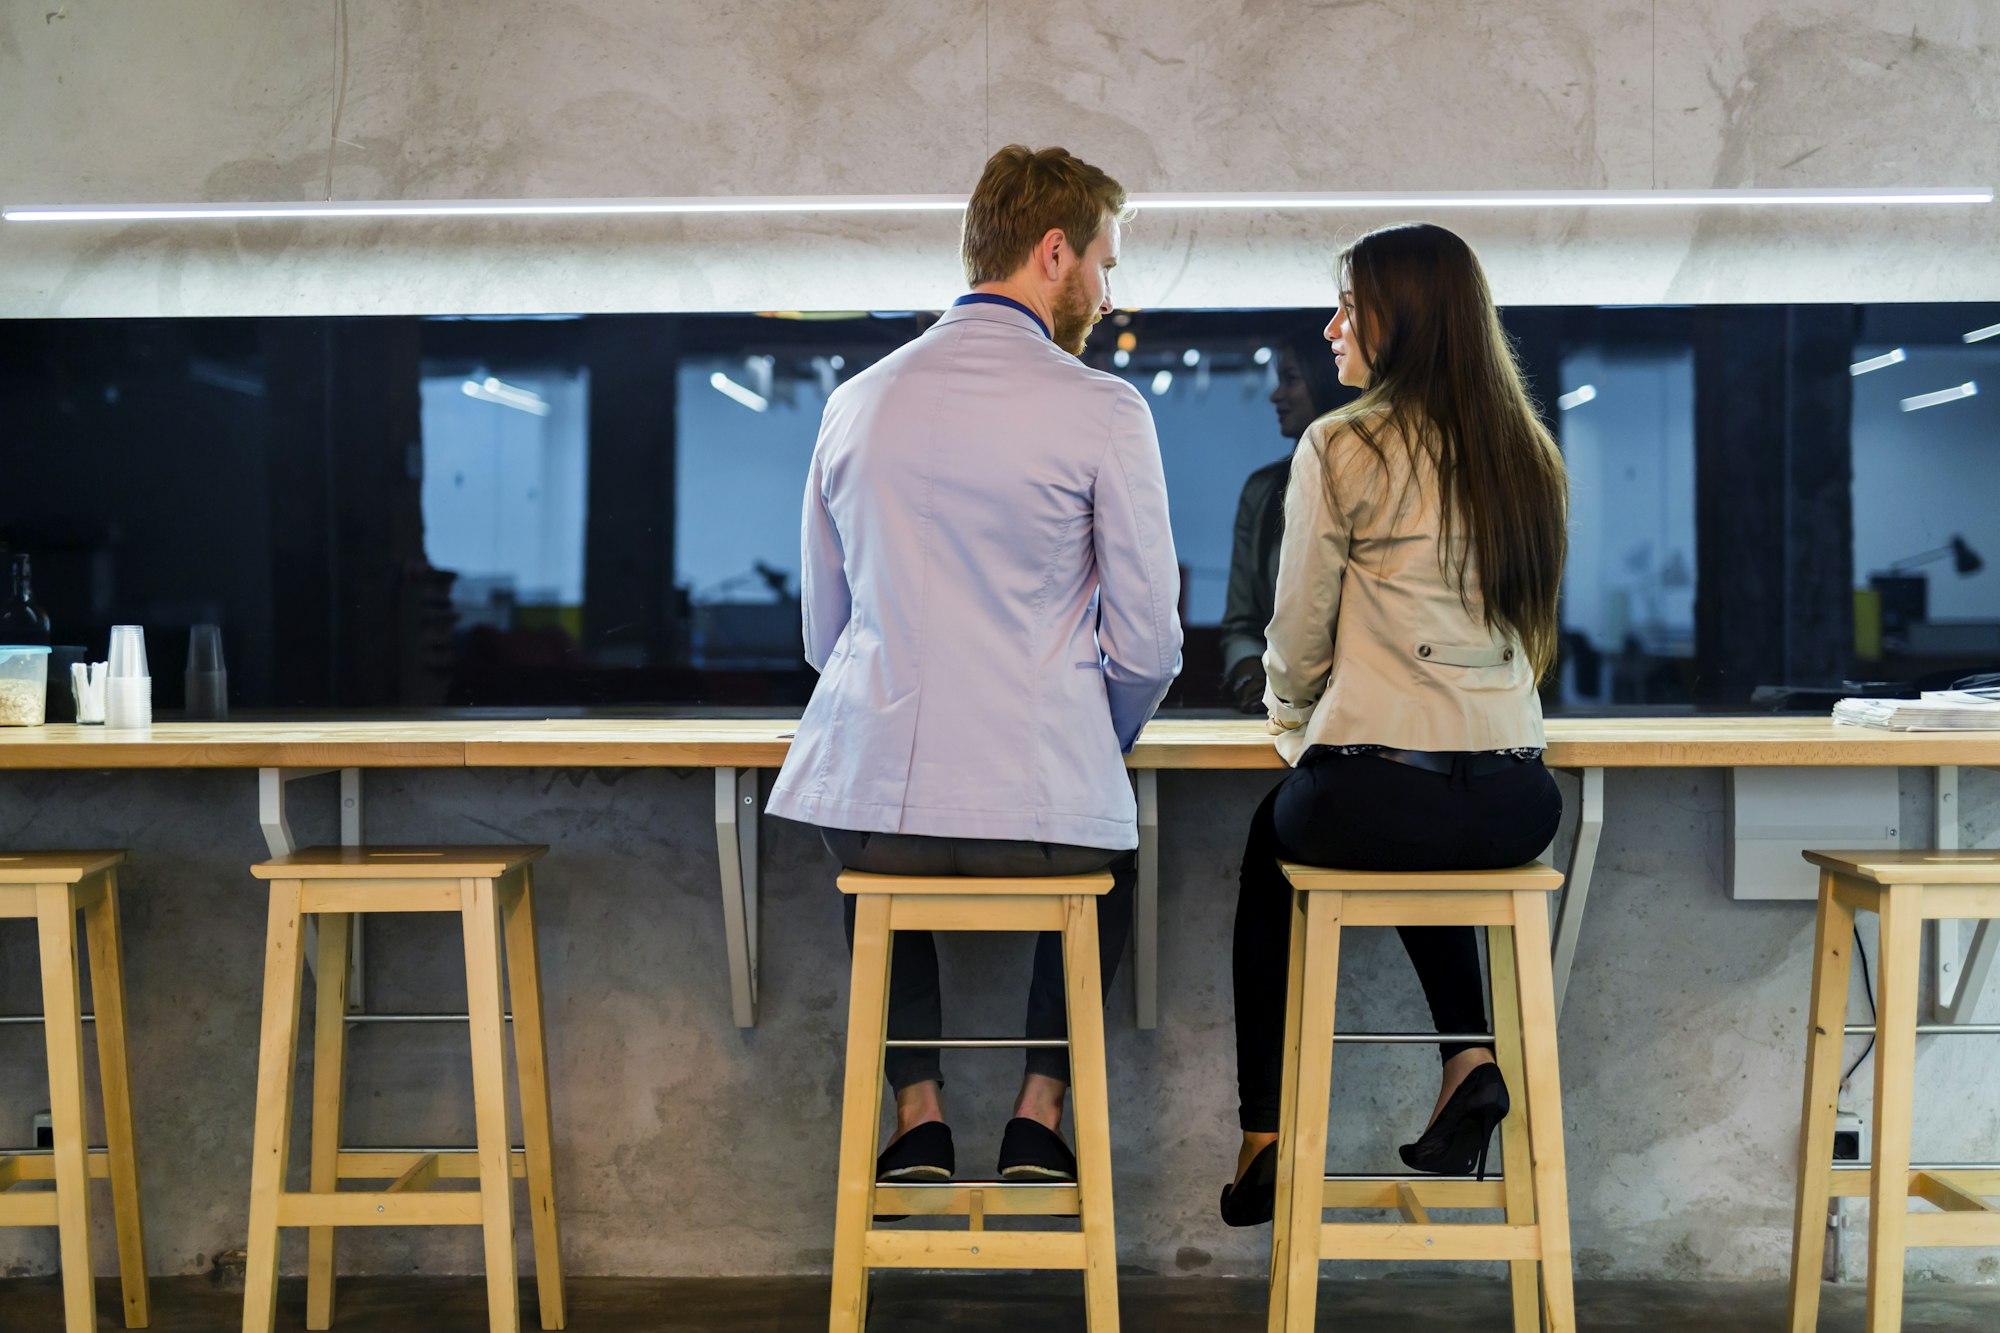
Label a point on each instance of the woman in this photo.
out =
(1415, 613)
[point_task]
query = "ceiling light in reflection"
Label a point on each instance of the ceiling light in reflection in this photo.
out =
(1893, 357)
(494, 390)
(1262, 356)
(1981, 335)
(1162, 382)
(1923, 400)
(1121, 358)
(1190, 358)
(837, 361)
(1577, 397)
(729, 388)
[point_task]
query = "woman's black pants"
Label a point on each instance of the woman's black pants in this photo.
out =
(1365, 812)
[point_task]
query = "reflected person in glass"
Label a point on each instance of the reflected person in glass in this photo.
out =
(989, 589)
(1307, 389)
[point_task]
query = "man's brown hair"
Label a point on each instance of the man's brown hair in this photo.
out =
(1022, 194)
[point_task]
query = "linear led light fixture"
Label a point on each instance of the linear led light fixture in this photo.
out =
(1895, 356)
(943, 203)
(1577, 397)
(1981, 335)
(1923, 400)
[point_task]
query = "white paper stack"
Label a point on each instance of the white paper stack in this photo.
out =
(1934, 710)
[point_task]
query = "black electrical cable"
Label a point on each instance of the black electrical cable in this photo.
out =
(1868, 985)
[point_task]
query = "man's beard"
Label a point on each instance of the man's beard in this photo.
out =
(1074, 315)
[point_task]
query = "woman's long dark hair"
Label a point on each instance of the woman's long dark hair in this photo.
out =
(1444, 377)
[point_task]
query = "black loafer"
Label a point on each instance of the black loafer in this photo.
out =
(925, 1153)
(1031, 1151)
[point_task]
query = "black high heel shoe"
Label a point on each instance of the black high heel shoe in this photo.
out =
(1251, 1201)
(1457, 1141)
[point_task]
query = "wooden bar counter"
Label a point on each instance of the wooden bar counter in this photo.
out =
(740, 749)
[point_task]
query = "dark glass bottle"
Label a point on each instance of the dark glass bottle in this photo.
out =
(21, 621)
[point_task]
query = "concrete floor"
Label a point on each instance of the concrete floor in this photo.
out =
(1003, 1305)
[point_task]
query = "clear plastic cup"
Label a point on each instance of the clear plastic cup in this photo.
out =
(207, 680)
(128, 652)
(24, 685)
(128, 703)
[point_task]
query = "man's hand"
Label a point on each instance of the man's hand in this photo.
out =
(1246, 685)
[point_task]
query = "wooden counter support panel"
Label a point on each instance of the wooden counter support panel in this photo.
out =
(1904, 888)
(736, 826)
(50, 889)
(490, 889)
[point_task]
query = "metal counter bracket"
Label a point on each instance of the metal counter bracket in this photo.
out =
(274, 818)
(736, 815)
(1576, 879)
(1960, 979)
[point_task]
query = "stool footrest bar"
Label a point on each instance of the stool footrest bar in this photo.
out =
(1397, 1240)
(976, 1044)
(379, 1209)
(964, 1198)
(973, 1249)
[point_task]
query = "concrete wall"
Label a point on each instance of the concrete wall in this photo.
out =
(686, 1146)
(220, 99)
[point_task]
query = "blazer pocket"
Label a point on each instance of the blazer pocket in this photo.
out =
(1471, 666)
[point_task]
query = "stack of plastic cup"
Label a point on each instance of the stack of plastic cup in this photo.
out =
(128, 695)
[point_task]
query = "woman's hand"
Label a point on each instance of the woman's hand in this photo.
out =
(1277, 726)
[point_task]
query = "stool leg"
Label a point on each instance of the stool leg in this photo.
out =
(1895, 1068)
(107, 992)
(271, 1149)
(531, 1067)
(62, 1010)
(1090, 1109)
(1544, 1089)
(1312, 1096)
(480, 912)
(1288, 1099)
(860, 1112)
(1518, 1184)
(330, 972)
(1833, 963)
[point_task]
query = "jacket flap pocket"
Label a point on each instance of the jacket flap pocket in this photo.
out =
(1465, 654)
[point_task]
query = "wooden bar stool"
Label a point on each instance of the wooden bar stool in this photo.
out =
(888, 903)
(486, 886)
(1513, 906)
(1904, 889)
(50, 888)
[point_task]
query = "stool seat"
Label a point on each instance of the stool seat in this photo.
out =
(398, 862)
(51, 888)
(1533, 1194)
(1532, 878)
(55, 867)
(1912, 866)
(855, 881)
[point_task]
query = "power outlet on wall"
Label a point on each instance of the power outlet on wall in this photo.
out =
(45, 1130)
(1847, 1137)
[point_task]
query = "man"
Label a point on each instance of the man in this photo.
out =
(989, 591)
(1306, 391)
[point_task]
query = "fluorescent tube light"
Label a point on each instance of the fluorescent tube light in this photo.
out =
(729, 388)
(939, 203)
(1951, 395)
(1981, 335)
(1893, 357)
(1162, 382)
(492, 390)
(1577, 397)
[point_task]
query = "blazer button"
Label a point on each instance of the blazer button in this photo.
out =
(1423, 650)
